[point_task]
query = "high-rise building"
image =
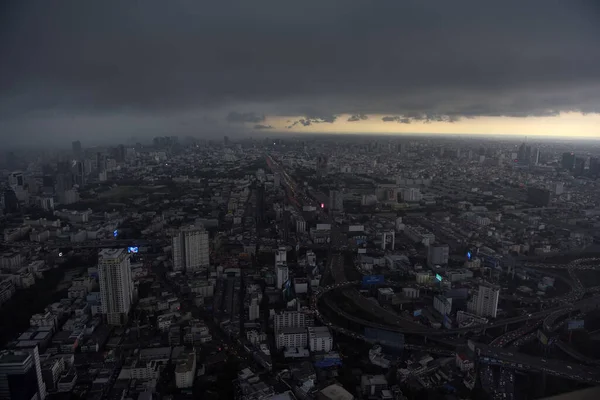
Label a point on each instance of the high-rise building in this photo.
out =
(437, 254)
(190, 249)
(10, 201)
(77, 150)
(260, 206)
(568, 161)
(486, 301)
(522, 153)
(116, 286)
(442, 304)
(320, 339)
(283, 275)
(336, 200)
(594, 166)
(280, 257)
(16, 179)
(579, 167)
(253, 309)
(21, 375)
(292, 319)
(100, 162)
(535, 158)
(538, 197)
(322, 166)
(79, 173)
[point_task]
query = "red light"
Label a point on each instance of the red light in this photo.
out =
(322, 205)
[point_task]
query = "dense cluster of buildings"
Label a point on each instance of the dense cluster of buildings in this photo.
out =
(184, 254)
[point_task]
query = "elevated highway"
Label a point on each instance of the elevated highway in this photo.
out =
(506, 358)
(423, 330)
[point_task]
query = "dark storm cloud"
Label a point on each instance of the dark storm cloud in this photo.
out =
(261, 126)
(417, 117)
(159, 59)
(330, 119)
(237, 117)
(357, 117)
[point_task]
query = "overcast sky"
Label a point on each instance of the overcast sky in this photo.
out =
(104, 70)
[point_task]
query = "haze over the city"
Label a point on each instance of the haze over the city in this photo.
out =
(106, 70)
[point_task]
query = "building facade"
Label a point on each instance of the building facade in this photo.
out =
(116, 286)
(190, 249)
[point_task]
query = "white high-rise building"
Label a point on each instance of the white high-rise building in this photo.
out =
(253, 310)
(291, 319)
(185, 371)
(291, 338)
(283, 275)
(21, 375)
(116, 286)
(320, 339)
(280, 256)
(190, 249)
(486, 301)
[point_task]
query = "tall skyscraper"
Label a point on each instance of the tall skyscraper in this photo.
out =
(21, 375)
(283, 275)
(322, 167)
(594, 166)
(522, 153)
(486, 304)
(579, 167)
(77, 150)
(336, 200)
(535, 158)
(568, 161)
(190, 249)
(79, 173)
(116, 287)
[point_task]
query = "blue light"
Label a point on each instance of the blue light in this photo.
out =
(115, 233)
(132, 249)
(468, 255)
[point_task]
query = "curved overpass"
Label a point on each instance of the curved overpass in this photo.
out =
(422, 330)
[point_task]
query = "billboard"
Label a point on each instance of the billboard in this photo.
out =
(417, 313)
(576, 324)
(373, 280)
(542, 337)
(438, 277)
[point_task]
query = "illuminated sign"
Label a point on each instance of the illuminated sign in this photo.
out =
(133, 249)
(438, 277)
(115, 233)
(469, 255)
